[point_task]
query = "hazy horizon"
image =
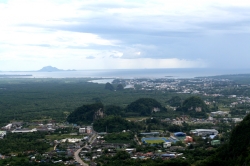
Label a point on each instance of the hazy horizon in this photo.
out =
(247, 70)
(125, 73)
(124, 34)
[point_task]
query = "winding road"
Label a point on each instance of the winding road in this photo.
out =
(76, 154)
(78, 159)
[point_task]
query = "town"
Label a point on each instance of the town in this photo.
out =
(198, 117)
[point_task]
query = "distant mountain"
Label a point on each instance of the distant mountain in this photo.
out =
(51, 69)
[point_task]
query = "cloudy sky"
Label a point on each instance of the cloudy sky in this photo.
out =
(124, 34)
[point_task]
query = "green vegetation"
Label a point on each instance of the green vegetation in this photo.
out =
(195, 107)
(85, 114)
(113, 124)
(175, 101)
(122, 156)
(79, 101)
(144, 106)
(236, 151)
(23, 161)
(155, 141)
(114, 110)
(123, 137)
(42, 99)
(109, 86)
(25, 142)
(119, 87)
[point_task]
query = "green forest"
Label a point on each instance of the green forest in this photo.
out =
(47, 99)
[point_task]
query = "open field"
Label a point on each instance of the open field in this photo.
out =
(154, 140)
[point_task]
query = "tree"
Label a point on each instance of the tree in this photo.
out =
(195, 107)
(84, 114)
(113, 110)
(119, 87)
(175, 101)
(109, 86)
(122, 155)
(144, 106)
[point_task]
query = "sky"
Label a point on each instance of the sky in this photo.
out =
(124, 34)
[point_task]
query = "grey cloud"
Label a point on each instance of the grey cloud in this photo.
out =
(175, 37)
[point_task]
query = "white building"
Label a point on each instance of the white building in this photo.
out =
(166, 144)
(204, 132)
(2, 134)
(237, 120)
(82, 130)
(71, 140)
(8, 127)
(24, 130)
(218, 113)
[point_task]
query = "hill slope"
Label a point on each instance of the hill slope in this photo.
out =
(236, 151)
(144, 106)
(85, 114)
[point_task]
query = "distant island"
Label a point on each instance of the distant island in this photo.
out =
(51, 69)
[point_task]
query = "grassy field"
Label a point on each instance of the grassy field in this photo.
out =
(154, 140)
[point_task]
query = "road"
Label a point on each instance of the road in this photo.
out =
(78, 159)
(76, 154)
(137, 139)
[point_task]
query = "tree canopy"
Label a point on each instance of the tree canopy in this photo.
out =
(109, 86)
(175, 101)
(114, 110)
(195, 107)
(144, 106)
(113, 124)
(84, 114)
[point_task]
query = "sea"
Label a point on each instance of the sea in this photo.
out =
(126, 73)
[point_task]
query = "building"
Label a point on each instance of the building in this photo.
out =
(204, 132)
(2, 134)
(179, 134)
(71, 140)
(82, 130)
(215, 142)
(218, 113)
(188, 139)
(237, 120)
(89, 129)
(166, 144)
(168, 155)
(24, 130)
(7, 127)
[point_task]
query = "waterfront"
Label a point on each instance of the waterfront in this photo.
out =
(127, 73)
